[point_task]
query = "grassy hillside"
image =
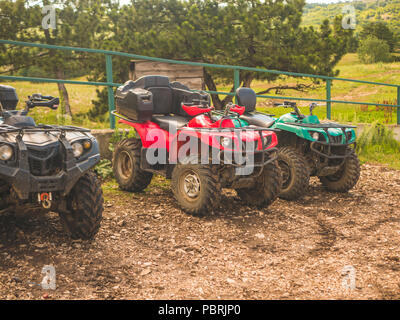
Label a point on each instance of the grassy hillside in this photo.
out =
(366, 10)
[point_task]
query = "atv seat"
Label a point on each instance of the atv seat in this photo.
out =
(170, 123)
(258, 119)
(248, 99)
(20, 121)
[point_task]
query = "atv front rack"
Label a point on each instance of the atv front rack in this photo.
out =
(329, 145)
(4, 128)
(326, 125)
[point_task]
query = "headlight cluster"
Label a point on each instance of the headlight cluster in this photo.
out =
(315, 136)
(80, 147)
(6, 152)
(349, 135)
(227, 143)
(266, 141)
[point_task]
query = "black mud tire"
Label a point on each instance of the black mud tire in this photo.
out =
(85, 208)
(347, 177)
(126, 166)
(266, 189)
(295, 173)
(203, 201)
(4, 187)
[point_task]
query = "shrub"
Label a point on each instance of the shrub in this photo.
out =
(377, 138)
(372, 50)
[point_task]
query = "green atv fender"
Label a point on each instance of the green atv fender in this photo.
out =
(287, 123)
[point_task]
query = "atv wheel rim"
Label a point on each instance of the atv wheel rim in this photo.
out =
(286, 174)
(125, 166)
(191, 185)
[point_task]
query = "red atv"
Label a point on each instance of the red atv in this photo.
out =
(179, 138)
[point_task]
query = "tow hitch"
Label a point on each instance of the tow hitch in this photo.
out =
(45, 199)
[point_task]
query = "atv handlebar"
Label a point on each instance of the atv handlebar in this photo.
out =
(286, 104)
(37, 100)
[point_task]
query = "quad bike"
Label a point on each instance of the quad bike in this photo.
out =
(177, 137)
(307, 147)
(46, 167)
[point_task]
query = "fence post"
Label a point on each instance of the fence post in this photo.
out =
(236, 81)
(398, 104)
(109, 75)
(328, 98)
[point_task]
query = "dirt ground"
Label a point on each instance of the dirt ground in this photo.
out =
(148, 248)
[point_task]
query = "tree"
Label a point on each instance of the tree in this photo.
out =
(379, 30)
(373, 50)
(77, 24)
(253, 33)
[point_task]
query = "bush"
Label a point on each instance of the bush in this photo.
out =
(377, 138)
(372, 50)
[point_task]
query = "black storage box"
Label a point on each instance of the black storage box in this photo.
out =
(135, 104)
(8, 97)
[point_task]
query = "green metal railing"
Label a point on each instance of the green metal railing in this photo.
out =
(236, 74)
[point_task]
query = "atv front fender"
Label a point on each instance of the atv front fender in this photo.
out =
(25, 184)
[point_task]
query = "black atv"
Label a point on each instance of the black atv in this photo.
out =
(46, 167)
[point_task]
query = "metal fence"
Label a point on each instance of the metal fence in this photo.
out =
(236, 75)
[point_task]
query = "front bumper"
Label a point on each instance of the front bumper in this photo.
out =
(330, 150)
(25, 184)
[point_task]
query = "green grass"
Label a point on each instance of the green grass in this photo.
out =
(81, 97)
(111, 189)
(376, 144)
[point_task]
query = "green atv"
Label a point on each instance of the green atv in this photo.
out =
(307, 147)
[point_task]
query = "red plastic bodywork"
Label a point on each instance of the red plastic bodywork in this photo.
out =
(153, 136)
(195, 110)
(237, 109)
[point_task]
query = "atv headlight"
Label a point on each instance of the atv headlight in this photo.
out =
(315, 136)
(6, 152)
(349, 135)
(266, 141)
(77, 148)
(226, 142)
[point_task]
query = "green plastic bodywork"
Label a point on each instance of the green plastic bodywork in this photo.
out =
(284, 123)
